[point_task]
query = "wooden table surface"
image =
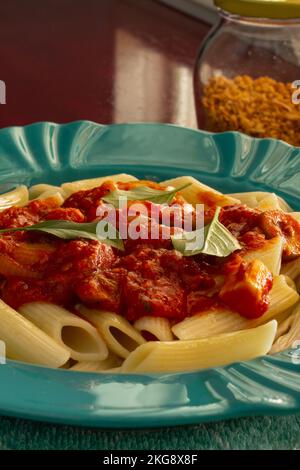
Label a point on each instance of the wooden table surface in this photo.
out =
(103, 60)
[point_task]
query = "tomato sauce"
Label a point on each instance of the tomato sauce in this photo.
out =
(149, 277)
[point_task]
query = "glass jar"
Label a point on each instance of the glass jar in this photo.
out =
(246, 69)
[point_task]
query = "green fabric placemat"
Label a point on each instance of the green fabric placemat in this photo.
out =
(246, 433)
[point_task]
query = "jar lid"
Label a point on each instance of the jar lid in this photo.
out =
(277, 9)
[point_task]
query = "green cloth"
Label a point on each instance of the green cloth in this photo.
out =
(245, 433)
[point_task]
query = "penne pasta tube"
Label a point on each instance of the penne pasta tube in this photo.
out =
(291, 269)
(176, 356)
(270, 254)
(56, 195)
(296, 215)
(73, 187)
(110, 362)
(114, 370)
(68, 364)
(38, 189)
(17, 197)
(291, 333)
(284, 321)
(157, 327)
(283, 204)
(269, 202)
(199, 193)
(216, 322)
(249, 198)
(297, 283)
(254, 198)
(119, 335)
(26, 342)
(77, 335)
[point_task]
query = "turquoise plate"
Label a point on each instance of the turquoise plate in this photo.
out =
(230, 162)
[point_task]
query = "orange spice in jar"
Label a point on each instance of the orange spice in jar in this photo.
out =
(259, 107)
(246, 67)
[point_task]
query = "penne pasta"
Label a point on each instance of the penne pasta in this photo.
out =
(68, 330)
(119, 335)
(110, 362)
(26, 342)
(17, 197)
(70, 188)
(296, 215)
(199, 193)
(250, 198)
(290, 333)
(270, 254)
(283, 204)
(56, 195)
(291, 269)
(220, 350)
(215, 322)
(283, 295)
(284, 321)
(297, 283)
(158, 328)
(267, 200)
(39, 189)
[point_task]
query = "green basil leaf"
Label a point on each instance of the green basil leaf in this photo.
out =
(143, 193)
(214, 239)
(72, 230)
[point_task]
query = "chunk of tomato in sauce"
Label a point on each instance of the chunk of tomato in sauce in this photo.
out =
(35, 211)
(277, 222)
(66, 213)
(246, 291)
(158, 281)
(156, 262)
(197, 302)
(88, 200)
(69, 265)
(194, 275)
(80, 257)
(55, 289)
(239, 219)
(252, 240)
(101, 289)
(161, 297)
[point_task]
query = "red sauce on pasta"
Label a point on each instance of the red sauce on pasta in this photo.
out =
(149, 277)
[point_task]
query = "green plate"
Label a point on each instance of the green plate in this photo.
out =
(230, 162)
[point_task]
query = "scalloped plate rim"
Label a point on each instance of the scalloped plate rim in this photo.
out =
(149, 123)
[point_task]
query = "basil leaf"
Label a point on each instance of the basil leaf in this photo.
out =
(72, 230)
(143, 193)
(214, 239)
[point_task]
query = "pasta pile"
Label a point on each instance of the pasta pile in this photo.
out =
(89, 339)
